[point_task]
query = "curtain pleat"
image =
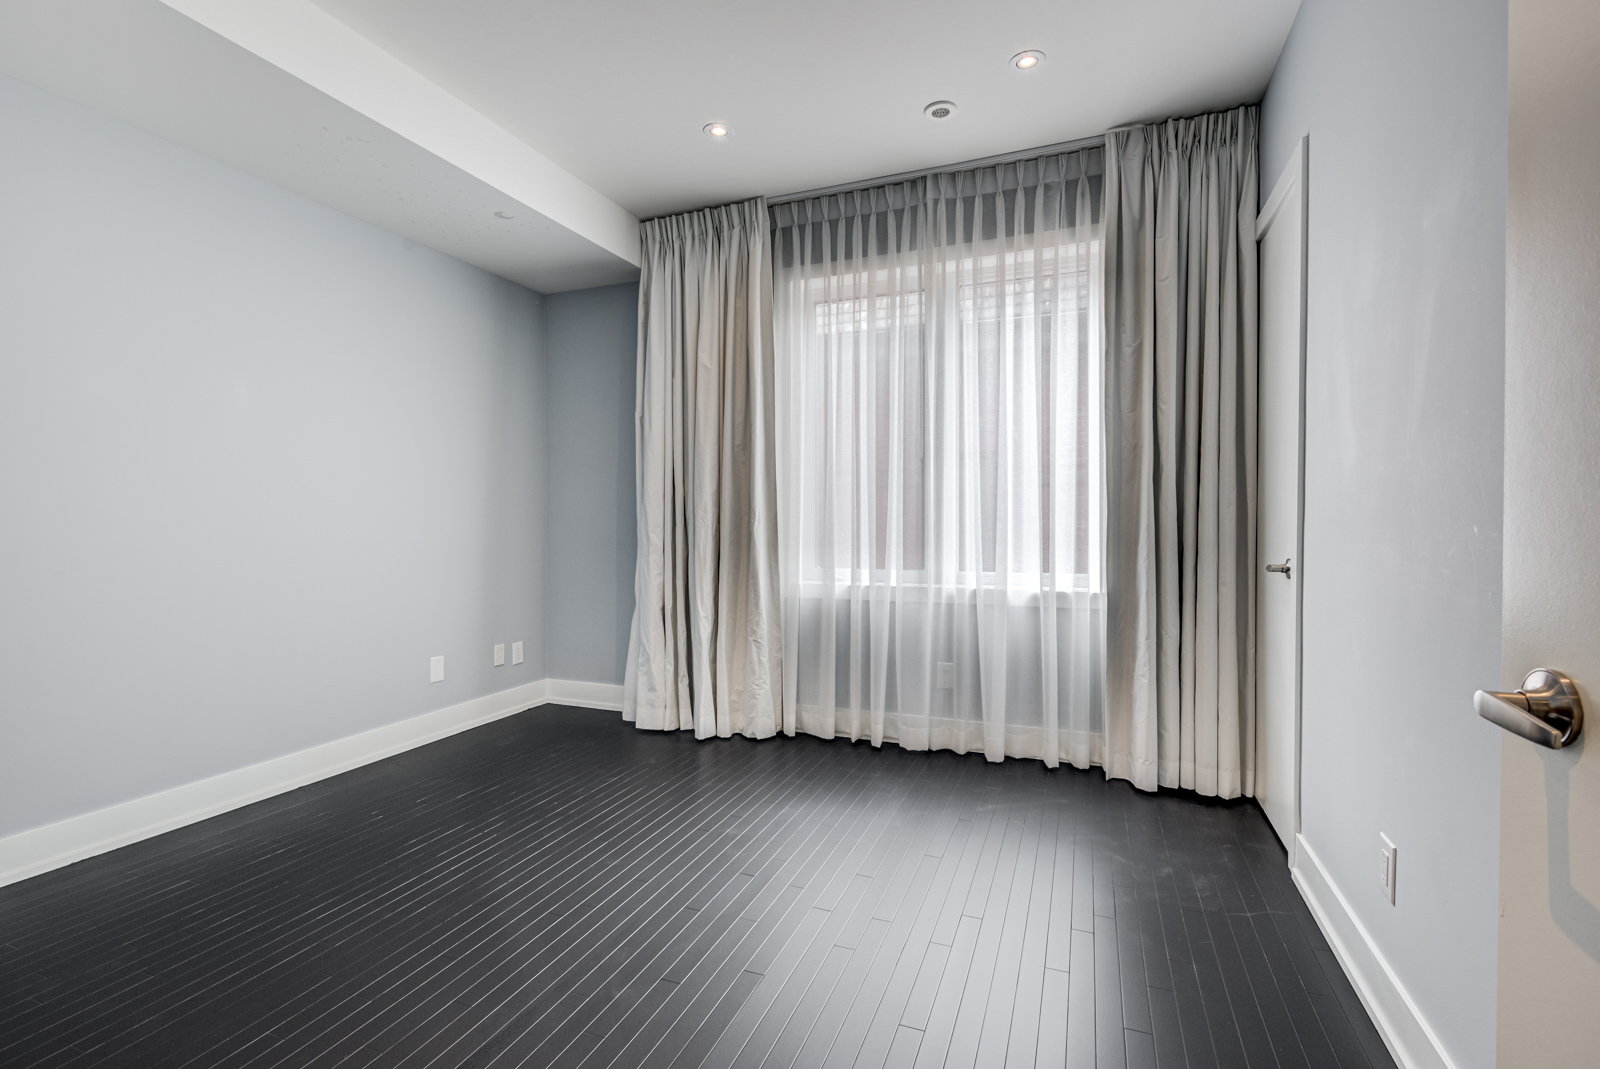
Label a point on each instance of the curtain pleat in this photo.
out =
(705, 651)
(1180, 400)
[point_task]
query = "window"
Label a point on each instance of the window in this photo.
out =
(938, 428)
(1002, 381)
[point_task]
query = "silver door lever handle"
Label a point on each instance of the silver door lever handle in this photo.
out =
(1284, 567)
(1547, 710)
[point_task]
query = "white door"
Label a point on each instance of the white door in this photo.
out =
(1549, 961)
(1281, 231)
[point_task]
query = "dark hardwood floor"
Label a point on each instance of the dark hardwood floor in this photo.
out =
(558, 889)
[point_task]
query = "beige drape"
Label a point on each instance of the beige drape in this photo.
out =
(705, 650)
(1180, 322)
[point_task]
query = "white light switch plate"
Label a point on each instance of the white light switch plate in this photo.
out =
(499, 654)
(947, 675)
(516, 653)
(435, 669)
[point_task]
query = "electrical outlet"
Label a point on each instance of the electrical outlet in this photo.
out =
(516, 653)
(435, 669)
(499, 654)
(1391, 855)
(947, 675)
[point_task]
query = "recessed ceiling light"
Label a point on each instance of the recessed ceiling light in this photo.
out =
(939, 109)
(716, 129)
(1026, 61)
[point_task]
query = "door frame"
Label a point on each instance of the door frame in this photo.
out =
(1292, 182)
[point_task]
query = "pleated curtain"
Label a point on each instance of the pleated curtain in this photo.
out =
(1180, 409)
(939, 446)
(705, 652)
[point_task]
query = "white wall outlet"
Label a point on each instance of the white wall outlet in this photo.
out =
(947, 675)
(1391, 855)
(516, 653)
(435, 669)
(499, 654)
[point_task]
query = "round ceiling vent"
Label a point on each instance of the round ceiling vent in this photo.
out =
(939, 109)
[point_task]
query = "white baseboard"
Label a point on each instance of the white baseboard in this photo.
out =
(1405, 1031)
(584, 695)
(38, 850)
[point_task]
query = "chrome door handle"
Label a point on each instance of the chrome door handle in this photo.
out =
(1547, 710)
(1284, 567)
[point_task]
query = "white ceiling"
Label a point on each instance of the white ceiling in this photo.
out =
(529, 138)
(281, 90)
(818, 92)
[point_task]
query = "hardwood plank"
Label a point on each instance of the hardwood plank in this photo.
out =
(903, 1052)
(983, 836)
(1083, 886)
(784, 1046)
(947, 1001)
(1141, 1047)
(972, 1015)
(825, 1031)
(994, 1035)
(1028, 1001)
(869, 1028)
(1055, 999)
(699, 998)
(1131, 962)
(889, 870)
(1110, 1052)
(788, 962)
(1167, 1030)
(919, 1005)
(1080, 1003)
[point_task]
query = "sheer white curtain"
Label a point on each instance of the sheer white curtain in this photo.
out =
(938, 372)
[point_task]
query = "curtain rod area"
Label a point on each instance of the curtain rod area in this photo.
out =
(906, 176)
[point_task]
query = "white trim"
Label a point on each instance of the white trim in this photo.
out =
(1293, 182)
(1292, 178)
(1411, 1043)
(39, 850)
(584, 695)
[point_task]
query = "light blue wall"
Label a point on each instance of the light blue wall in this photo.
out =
(258, 461)
(591, 337)
(1405, 103)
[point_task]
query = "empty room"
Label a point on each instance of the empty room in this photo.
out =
(806, 536)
